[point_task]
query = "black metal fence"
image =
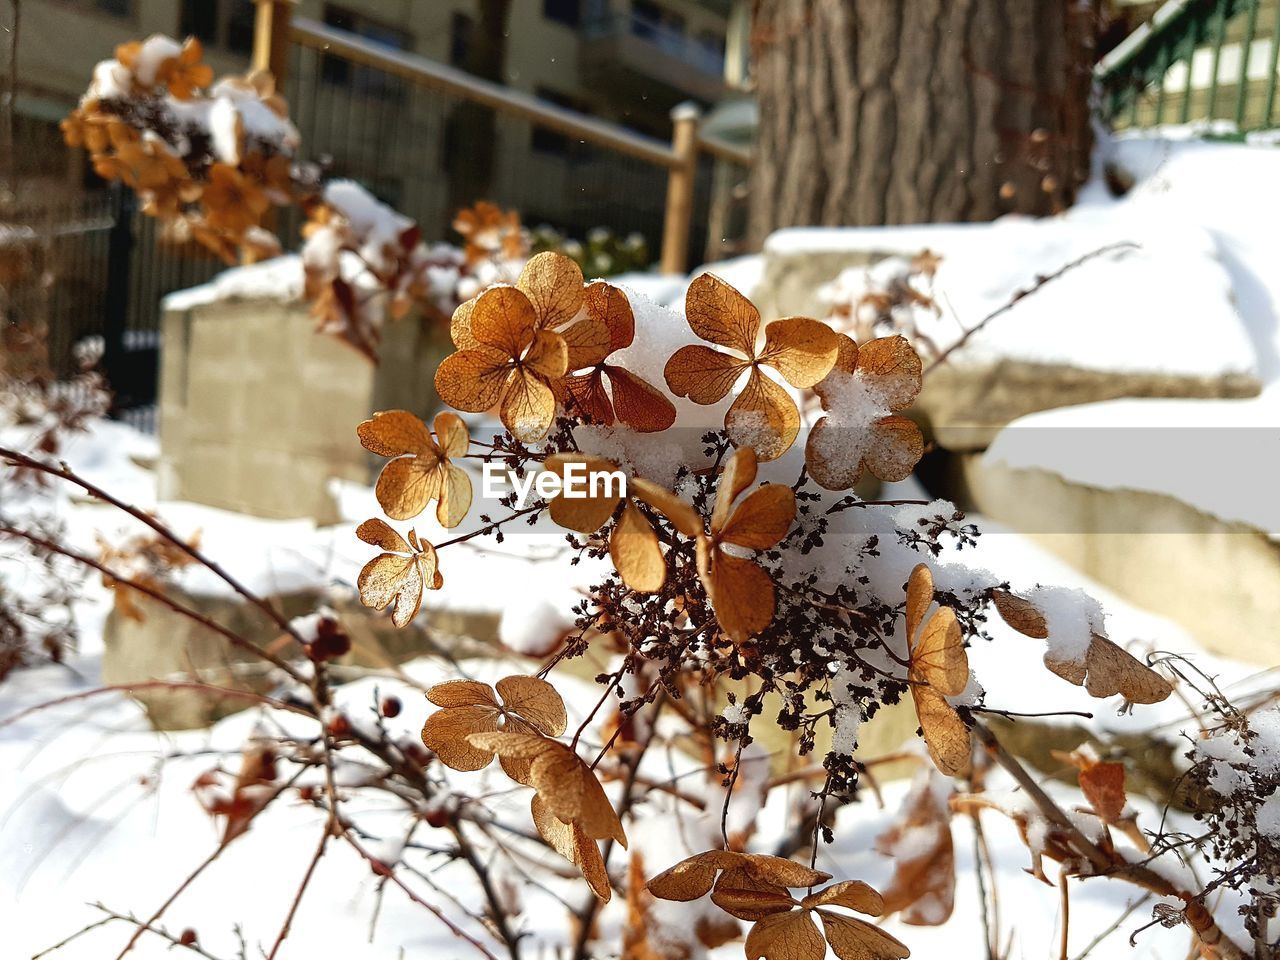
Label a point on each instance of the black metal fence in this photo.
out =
(409, 143)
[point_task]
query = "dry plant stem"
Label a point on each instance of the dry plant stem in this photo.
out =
(1063, 879)
(1102, 864)
(63, 472)
(1040, 283)
(302, 889)
(155, 917)
(233, 638)
(10, 112)
(157, 685)
(439, 915)
(1113, 926)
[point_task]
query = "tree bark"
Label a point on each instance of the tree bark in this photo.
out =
(914, 111)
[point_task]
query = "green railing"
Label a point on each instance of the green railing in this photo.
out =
(1196, 60)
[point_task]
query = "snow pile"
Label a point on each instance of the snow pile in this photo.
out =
(1129, 311)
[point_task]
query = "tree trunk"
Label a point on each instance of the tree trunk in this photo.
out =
(916, 111)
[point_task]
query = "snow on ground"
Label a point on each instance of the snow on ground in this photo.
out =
(89, 813)
(1219, 456)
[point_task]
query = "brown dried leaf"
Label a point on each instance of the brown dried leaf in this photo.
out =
(851, 894)
(738, 474)
(1109, 669)
(446, 731)
(1021, 614)
(394, 433)
(462, 693)
(939, 657)
(637, 403)
(762, 519)
(1102, 784)
(378, 533)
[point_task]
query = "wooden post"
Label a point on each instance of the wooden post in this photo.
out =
(271, 38)
(679, 217)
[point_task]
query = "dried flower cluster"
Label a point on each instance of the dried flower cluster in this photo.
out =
(208, 159)
(716, 578)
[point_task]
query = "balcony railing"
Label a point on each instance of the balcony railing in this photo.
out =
(674, 43)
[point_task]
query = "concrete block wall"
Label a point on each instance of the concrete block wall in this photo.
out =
(258, 412)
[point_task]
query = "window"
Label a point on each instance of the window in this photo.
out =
(365, 80)
(118, 8)
(462, 30)
(568, 12)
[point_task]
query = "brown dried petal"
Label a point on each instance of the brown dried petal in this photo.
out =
(446, 731)
(570, 842)
(892, 368)
(800, 349)
(720, 314)
(634, 549)
(553, 284)
(1021, 614)
(762, 519)
(852, 894)
(504, 319)
(945, 733)
(393, 433)
(378, 533)
(786, 936)
(535, 700)
(639, 404)
(763, 417)
(738, 474)
(702, 374)
(462, 693)
(894, 447)
(472, 380)
(853, 939)
(740, 592)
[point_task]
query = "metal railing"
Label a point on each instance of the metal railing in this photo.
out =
(1197, 60)
(556, 165)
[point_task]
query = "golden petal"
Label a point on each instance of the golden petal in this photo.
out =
(570, 842)
(462, 693)
(452, 436)
(446, 731)
(894, 447)
(939, 656)
(454, 494)
(801, 349)
(583, 514)
(528, 406)
(548, 355)
(472, 380)
(891, 367)
(460, 327)
(919, 599)
(389, 580)
(393, 433)
(831, 467)
(720, 314)
(637, 403)
(535, 700)
(588, 343)
(852, 894)
(738, 474)
(585, 397)
(680, 512)
(945, 734)
(702, 374)
(553, 284)
(378, 533)
(609, 305)
(762, 519)
(853, 939)
(763, 417)
(504, 319)
(407, 485)
(786, 936)
(633, 547)
(740, 592)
